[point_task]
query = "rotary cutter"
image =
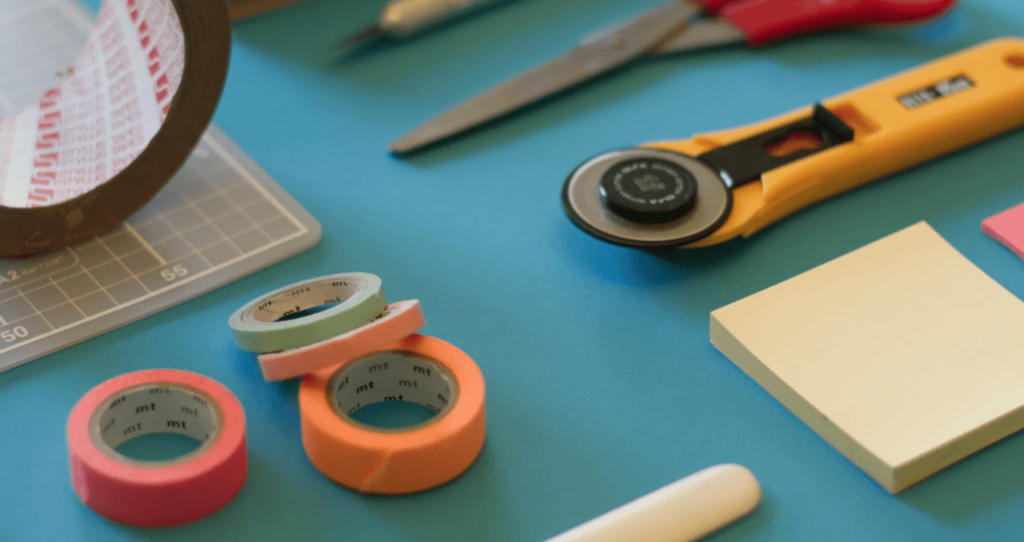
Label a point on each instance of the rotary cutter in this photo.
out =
(719, 186)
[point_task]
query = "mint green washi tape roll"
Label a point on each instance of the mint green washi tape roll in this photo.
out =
(357, 298)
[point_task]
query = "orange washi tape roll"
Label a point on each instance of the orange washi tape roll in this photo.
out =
(419, 369)
(157, 493)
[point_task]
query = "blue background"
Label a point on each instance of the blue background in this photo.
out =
(602, 384)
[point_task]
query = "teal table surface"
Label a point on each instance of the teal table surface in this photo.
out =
(602, 384)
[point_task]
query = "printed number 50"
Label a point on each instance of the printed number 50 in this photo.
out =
(175, 272)
(12, 335)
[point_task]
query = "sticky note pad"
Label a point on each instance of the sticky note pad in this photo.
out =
(902, 354)
(1008, 228)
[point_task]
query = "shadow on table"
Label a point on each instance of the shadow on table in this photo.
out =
(972, 485)
(747, 527)
(637, 267)
(524, 486)
(471, 507)
(269, 506)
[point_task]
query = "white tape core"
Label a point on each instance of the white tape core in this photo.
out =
(155, 408)
(305, 297)
(392, 375)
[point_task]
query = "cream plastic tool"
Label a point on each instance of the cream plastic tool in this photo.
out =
(685, 510)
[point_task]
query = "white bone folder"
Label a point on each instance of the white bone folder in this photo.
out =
(685, 510)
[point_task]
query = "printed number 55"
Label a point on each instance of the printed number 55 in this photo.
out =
(173, 273)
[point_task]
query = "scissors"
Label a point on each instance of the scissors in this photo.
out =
(719, 186)
(672, 27)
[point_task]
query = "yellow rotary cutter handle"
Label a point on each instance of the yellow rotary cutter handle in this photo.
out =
(719, 186)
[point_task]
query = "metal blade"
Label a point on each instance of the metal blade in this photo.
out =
(363, 36)
(592, 58)
(701, 35)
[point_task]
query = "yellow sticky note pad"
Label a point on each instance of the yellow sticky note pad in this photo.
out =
(902, 354)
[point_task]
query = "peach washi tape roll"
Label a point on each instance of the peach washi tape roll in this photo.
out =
(157, 493)
(419, 369)
(399, 320)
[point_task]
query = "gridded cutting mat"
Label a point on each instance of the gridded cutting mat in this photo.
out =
(220, 218)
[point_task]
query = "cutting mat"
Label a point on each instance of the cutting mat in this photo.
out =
(220, 218)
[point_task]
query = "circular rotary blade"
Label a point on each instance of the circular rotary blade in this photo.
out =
(605, 197)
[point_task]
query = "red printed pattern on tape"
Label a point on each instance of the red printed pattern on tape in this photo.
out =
(104, 114)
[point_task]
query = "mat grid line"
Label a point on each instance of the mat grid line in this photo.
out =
(143, 242)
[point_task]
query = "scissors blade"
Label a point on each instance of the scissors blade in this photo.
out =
(701, 35)
(593, 57)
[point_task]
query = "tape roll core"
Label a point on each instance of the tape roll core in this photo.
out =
(274, 322)
(280, 304)
(70, 201)
(161, 407)
(157, 493)
(433, 386)
(420, 369)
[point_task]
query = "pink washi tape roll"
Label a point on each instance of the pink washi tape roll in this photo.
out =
(157, 493)
(398, 321)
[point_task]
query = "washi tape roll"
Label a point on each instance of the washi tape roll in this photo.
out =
(125, 117)
(157, 493)
(268, 323)
(418, 369)
(399, 320)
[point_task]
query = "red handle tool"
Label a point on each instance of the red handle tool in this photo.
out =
(764, 21)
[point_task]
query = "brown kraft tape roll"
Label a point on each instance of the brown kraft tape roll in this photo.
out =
(126, 116)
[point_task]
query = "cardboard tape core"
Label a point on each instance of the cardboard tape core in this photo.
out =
(392, 375)
(127, 114)
(155, 408)
(319, 293)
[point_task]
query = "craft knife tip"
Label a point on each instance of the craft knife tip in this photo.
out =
(363, 36)
(415, 140)
(401, 146)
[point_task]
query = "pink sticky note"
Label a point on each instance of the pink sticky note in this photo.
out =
(1008, 228)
